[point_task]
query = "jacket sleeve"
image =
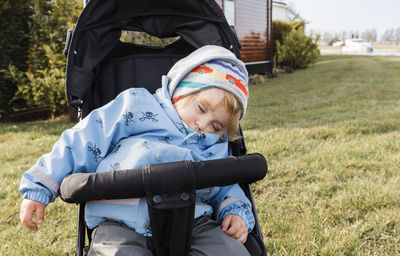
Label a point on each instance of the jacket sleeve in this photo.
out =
(232, 200)
(81, 148)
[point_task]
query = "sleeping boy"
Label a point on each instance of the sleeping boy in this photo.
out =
(192, 116)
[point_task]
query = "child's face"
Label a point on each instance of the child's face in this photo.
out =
(206, 112)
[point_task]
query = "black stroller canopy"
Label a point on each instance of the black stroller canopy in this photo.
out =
(100, 66)
(98, 30)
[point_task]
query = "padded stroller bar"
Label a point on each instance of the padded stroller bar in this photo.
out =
(163, 178)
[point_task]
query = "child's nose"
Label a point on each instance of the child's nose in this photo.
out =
(201, 125)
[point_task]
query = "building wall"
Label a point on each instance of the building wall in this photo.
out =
(282, 11)
(251, 28)
(251, 25)
(279, 12)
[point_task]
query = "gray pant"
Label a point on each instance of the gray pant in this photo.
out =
(111, 238)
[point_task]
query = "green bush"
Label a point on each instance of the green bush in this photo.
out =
(14, 46)
(43, 83)
(43, 87)
(281, 28)
(297, 50)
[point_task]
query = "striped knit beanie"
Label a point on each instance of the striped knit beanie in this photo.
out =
(225, 72)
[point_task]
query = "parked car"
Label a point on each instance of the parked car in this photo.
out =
(338, 43)
(357, 46)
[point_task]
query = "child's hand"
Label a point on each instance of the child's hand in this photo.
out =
(28, 208)
(235, 227)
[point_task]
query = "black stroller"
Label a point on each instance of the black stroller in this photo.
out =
(100, 66)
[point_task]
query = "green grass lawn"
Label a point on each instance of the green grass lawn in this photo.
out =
(331, 135)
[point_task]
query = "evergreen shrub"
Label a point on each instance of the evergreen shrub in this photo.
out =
(297, 51)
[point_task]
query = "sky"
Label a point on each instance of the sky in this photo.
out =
(348, 15)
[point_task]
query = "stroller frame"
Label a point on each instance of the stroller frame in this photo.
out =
(97, 62)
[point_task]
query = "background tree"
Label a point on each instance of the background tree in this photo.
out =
(397, 33)
(370, 35)
(326, 38)
(143, 38)
(389, 36)
(14, 47)
(43, 83)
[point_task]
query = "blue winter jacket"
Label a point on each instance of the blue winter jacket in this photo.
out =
(136, 128)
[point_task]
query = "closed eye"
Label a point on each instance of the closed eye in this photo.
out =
(216, 126)
(201, 108)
